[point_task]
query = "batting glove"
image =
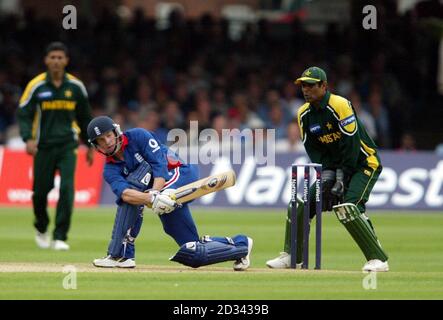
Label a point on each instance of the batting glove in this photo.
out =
(163, 202)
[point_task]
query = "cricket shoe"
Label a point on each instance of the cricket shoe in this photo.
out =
(42, 240)
(244, 263)
(376, 265)
(283, 261)
(111, 262)
(60, 245)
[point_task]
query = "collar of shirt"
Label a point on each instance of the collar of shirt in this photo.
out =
(111, 159)
(324, 102)
(49, 79)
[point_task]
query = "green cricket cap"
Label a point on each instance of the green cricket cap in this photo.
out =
(312, 75)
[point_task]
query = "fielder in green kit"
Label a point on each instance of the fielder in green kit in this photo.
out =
(53, 112)
(334, 136)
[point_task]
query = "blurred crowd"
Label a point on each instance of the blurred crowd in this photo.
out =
(193, 70)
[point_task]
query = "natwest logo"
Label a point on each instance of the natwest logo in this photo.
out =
(256, 185)
(403, 183)
(409, 187)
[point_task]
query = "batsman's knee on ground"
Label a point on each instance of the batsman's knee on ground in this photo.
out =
(210, 250)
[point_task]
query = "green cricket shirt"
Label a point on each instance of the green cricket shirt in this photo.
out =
(52, 115)
(334, 136)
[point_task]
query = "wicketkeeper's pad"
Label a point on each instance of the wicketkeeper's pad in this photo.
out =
(361, 231)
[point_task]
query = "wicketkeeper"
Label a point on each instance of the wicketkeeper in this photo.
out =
(334, 136)
(142, 172)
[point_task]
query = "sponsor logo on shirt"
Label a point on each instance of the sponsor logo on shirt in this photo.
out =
(347, 121)
(315, 128)
(330, 138)
(138, 157)
(58, 105)
(45, 94)
(146, 179)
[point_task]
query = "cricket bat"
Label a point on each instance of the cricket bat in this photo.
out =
(205, 186)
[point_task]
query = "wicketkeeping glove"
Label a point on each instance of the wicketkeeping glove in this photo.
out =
(338, 189)
(329, 199)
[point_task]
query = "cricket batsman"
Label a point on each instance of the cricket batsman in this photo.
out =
(143, 172)
(334, 137)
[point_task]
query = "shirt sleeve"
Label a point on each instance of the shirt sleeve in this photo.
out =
(26, 113)
(153, 153)
(113, 176)
(83, 112)
(349, 144)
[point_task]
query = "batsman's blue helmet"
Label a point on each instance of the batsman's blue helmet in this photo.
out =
(98, 127)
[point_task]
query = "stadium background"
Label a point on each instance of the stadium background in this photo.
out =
(231, 64)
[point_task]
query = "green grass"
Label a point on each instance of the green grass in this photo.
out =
(414, 242)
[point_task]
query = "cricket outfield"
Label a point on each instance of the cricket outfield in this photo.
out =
(414, 242)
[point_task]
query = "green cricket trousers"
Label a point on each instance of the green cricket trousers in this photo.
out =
(47, 161)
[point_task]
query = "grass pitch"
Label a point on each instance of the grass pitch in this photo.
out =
(414, 242)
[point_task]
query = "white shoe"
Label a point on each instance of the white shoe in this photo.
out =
(110, 262)
(42, 240)
(283, 261)
(243, 263)
(376, 265)
(60, 245)
(126, 263)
